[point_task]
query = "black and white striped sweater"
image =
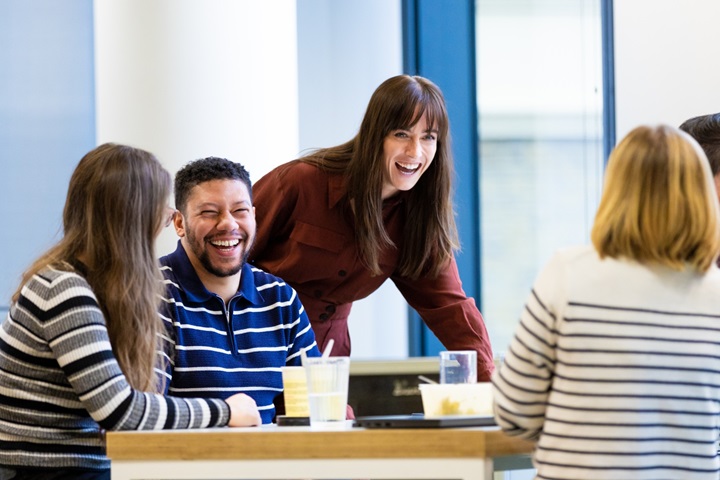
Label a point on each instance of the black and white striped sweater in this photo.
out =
(615, 369)
(60, 384)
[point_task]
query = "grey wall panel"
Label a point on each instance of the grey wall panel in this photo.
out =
(47, 122)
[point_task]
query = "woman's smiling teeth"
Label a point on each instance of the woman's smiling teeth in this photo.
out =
(407, 167)
(225, 243)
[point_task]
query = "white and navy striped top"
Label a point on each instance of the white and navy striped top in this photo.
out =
(615, 370)
(60, 384)
(220, 350)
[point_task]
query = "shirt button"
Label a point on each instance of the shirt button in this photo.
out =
(330, 309)
(342, 273)
(323, 316)
(317, 293)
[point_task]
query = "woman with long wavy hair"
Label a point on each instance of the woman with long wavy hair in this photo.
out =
(79, 347)
(337, 223)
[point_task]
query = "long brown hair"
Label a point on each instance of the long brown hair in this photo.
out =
(113, 212)
(430, 234)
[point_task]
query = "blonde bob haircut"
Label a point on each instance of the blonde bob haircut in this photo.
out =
(659, 203)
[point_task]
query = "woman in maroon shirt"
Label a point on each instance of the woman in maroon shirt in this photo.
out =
(338, 222)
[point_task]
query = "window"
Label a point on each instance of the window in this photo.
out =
(529, 159)
(540, 110)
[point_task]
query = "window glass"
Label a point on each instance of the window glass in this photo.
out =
(539, 71)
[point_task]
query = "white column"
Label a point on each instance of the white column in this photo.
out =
(665, 61)
(187, 79)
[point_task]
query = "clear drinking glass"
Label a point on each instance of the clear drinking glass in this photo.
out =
(458, 366)
(327, 384)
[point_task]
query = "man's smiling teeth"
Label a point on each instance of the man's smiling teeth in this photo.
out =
(408, 166)
(225, 243)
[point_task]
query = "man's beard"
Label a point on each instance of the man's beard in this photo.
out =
(204, 257)
(227, 272)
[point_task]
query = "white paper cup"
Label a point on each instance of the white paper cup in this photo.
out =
(295, 391)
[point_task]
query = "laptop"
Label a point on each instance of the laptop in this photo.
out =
(418, 420)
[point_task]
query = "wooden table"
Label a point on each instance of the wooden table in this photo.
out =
(301, 453)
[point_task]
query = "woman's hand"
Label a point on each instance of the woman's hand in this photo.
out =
(243, 411)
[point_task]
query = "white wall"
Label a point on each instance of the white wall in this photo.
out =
(346, 48)
(666, 68)
(187, 79)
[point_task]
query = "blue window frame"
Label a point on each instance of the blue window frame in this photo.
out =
(439, 43)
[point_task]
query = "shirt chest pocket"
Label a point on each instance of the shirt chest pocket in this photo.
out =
(314, 254)
(318, 237)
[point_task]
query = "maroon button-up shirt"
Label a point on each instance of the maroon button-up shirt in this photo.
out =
(306, 236)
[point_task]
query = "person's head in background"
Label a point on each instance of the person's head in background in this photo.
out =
(116, 205)
(403, 144)
(216, 224)
(659, 205)
(705, 129)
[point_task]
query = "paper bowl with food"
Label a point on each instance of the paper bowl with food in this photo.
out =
(448, 399)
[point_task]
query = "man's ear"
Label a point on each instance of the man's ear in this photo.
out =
(179, 224)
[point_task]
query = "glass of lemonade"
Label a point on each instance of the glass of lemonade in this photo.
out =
(327, 384)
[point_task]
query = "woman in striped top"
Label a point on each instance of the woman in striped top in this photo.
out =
(615, 366)
(78, 349)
